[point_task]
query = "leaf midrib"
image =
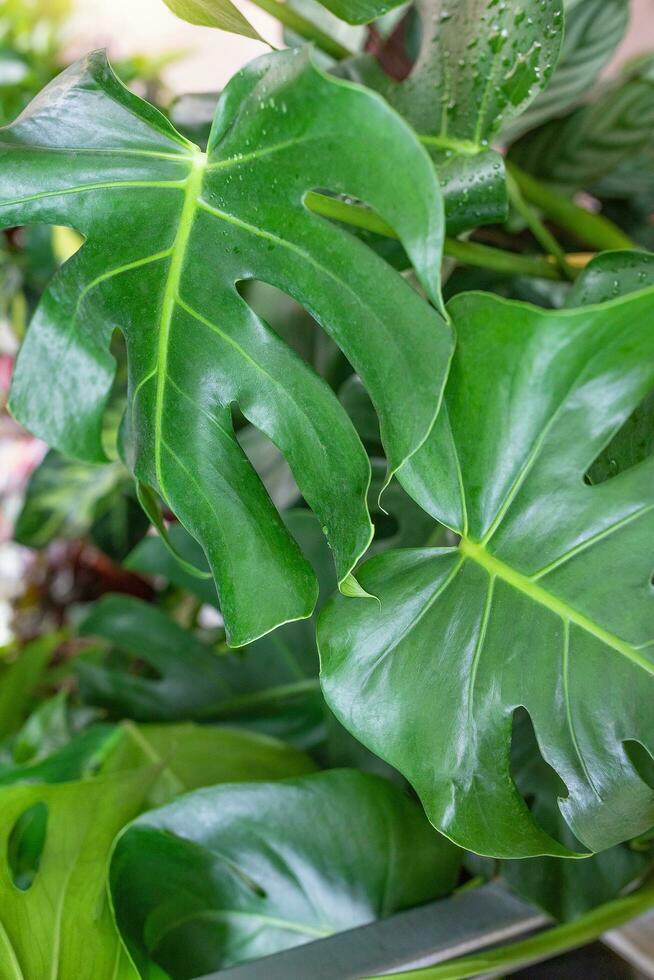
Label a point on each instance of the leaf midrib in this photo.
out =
(171, 295)
(498, 569)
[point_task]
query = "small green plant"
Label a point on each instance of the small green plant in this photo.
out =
(383, 385)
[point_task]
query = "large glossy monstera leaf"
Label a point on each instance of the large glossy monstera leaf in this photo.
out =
(169, 232)
(248, 870)
(547, 602)
(480, 64)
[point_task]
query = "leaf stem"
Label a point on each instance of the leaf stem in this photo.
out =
(592, 229)
(550, 943)
(468, 253)
(300, 25)
(541, 233)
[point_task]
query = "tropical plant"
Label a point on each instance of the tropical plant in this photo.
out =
(361, 442)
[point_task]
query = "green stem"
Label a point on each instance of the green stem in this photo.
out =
(541, 233)
(469, 253)
(300, 25)
(592, 229)
(543, 946)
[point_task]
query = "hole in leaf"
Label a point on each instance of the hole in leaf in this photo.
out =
(296, 327)
(386, 526)
(538, 783)
(25, 845)
(641, 759)
(631, 444)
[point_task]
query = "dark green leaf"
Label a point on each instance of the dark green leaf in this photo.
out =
(233, 873)
(593, 30)
(547, 601)
(565, 889)
(189, 681)
(481, 63)
(596, 139)
(609, 275)
(91, 154)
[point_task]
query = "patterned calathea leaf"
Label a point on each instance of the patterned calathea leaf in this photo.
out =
(597, 139)
(480, 64)
(546, 603)
(169, 233)
(593, 30)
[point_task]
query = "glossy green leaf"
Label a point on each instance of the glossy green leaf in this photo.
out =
(189, 757)
(608, 275)
(596, 139)
(91, 154)
(565, 889)
(480, 64)
(593, 30)
(82, 756)
(547, 601)
(243, 871)
(61, 926)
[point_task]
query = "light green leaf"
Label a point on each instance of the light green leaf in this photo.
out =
(480, 64)
(90, 154)
(188, 757)
(593, 30)
(225, 15)
(243, 871)
(20, 674)
(214, 13)
(61, 926)
(598, 138)
(547, 601)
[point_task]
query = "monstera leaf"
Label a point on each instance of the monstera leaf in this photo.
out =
(61, 926)
(242, 871)
(547, 601)
(565, 889)
(90, 154)
(480, 64)
(598, 138)
(593, 30)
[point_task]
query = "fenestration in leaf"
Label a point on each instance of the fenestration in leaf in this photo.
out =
(169, 232)
(480, 64)
(547, 602)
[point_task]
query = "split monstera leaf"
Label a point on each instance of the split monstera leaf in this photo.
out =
(169, 233)
(547, 601)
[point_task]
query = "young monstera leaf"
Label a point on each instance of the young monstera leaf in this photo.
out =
(547, 601)
(56, 922)
(169, 232)
(480, 64)
(247, 870)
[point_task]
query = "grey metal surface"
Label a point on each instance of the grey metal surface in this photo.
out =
(419, 937)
